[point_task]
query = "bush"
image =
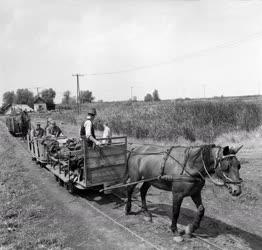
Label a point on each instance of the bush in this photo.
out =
(170, 120)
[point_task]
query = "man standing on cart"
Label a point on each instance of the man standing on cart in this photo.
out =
(89, 128)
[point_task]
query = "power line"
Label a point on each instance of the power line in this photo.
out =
(183, 57)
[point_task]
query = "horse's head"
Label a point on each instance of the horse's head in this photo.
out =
(227, 169)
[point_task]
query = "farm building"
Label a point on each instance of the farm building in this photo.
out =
(16, 108)
(39, 105)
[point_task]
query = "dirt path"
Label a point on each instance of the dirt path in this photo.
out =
(66, 221)
(37, 214)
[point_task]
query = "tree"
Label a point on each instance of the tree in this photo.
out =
(24, 96)
(66, 97)
(86, 96)
(49, 95)
(156, 95)
(148, 98)
(9, 97)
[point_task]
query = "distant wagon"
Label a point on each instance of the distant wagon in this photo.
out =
(18, 124)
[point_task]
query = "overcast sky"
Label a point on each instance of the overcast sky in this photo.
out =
(175, 46)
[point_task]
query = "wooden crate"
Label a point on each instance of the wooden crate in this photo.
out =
(105, 164)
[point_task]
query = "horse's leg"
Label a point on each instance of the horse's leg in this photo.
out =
(200, 213)
(130, 190)
(143, 191)
(177, 201)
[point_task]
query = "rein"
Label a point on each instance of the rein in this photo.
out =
(218, 164)
(167, 154)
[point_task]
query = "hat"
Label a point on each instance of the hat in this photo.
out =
(92, 111)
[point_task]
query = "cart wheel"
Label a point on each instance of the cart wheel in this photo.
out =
(61, 183)
(56, 179)
(71, 187)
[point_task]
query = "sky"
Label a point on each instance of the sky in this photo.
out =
(182, 48)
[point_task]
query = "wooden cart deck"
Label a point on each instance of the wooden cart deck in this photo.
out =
(104, 164)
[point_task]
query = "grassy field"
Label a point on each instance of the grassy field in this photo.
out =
(192, 120)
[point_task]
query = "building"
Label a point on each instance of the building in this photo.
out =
(39, 105)
(16, 108)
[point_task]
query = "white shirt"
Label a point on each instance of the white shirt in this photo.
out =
(88, 126)
(107, 134)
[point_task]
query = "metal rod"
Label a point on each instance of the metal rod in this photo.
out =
(128, 184)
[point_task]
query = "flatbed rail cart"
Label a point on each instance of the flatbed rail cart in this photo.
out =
(103, 165)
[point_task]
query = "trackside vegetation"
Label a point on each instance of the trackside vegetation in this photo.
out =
(192, 120)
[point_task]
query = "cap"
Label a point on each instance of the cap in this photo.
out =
(92, 111)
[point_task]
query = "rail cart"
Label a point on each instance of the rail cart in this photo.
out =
(102, 165)
(38, 150)
(13, 125)
(30, 145)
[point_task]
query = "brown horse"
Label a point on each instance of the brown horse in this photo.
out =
(182, 170)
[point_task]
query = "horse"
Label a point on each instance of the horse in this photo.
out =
(183, 171)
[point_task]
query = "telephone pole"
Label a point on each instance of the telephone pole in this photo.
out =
(131, 90)
(78, 101)
(204, 90)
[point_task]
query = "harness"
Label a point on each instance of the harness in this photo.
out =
(167, 154)
(217, 164)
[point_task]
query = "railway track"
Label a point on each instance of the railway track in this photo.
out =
(197, 242)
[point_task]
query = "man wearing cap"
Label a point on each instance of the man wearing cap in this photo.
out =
(54, 130)
(39, 132)
(48, 125)
(89, 128)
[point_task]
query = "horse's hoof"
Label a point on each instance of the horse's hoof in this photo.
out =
(189, 229)
(178, 238)
(148, 218)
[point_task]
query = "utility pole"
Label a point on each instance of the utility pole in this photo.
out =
(204, 90)
(131, 90)
(78, 102)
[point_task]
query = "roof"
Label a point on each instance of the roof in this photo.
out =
(17, 107)
(39, 100)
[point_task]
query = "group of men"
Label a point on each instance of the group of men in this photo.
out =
(51, 129)
(87, 130)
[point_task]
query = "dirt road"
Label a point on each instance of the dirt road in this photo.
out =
(37, 213)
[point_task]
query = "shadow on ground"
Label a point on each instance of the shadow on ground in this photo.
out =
(210, 227)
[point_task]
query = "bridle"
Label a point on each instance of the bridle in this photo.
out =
(217, 164)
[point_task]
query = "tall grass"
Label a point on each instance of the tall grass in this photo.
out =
(170, 120)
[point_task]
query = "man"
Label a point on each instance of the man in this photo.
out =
(89, 128)
(54, 130)
(39, 132)
(48, 125)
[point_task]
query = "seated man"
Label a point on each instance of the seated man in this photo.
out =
(54, 130)
(39, 132)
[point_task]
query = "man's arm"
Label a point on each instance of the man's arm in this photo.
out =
(88, 126)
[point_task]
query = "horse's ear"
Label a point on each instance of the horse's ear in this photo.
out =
(235, 150)
(226, 150)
